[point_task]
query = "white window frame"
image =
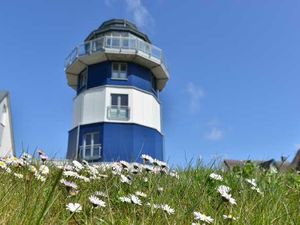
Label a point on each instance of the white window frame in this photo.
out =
(91, 146)
(83, 74)
(118, 109)
(119, 71)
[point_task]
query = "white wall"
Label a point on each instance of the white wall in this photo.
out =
(6, 141)
(91, 107)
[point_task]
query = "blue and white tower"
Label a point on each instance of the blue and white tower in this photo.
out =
(117, 74)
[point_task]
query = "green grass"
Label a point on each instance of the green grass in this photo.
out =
(29, 201)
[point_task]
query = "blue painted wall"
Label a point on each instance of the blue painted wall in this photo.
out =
(125, 141)
(138, 76)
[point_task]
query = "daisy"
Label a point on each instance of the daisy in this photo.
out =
(124, 164)
(252, 182)
(160, 189)
(96, 201)
(215, 176)
(44, 170)
(167, 209)
(147, 158)
(148, 168)
(141, 194)
(174, 174)
(32, 169)
(224, 191)
(135, 200)
(229, 217)
(74, 207)
(202, 217)
(78, 166)
(39, 177)
(125, 199)
(69, 184)
(18, 175)
(257, 190)
(101, 194)
(70, 174)
(125, 179)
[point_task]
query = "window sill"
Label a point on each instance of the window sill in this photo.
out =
(119, 78)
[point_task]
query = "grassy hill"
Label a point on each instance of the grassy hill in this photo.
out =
(33, 192)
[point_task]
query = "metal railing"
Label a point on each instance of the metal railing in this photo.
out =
(90, 152)
(118, 113)
(119, 43)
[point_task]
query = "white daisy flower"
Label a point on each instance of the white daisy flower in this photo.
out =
(32, 169)
(26, 156)
(78, 166)
(125, 164)
(148, 168)
(135, 200)
(96, 201)
(202, 217)
(257, 190)
(125, 179)
(229, 217)
(224, 191)
(44, 169)
(141, 194)
(74, 207)
(125, 199)
(39, 177)
(174, 174)
(160, 189)
(83, 178)
(101, 194)
(18, 175)
(155, 206)
(70, 173)
(70, 184)
(252, 182)
(167, 209)
(215, 176)
(147, 158)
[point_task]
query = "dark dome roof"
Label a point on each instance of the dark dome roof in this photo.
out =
(117, 25)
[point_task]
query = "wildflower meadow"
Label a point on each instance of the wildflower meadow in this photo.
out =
(38, 191)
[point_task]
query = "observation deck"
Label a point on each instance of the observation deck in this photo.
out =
(128, 49)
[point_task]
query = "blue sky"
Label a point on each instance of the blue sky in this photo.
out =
(234, 65)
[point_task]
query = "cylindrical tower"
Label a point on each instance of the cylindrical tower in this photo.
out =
(117, 74)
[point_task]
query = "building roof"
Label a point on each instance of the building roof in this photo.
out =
(282, 165)
(117, 25)
(3, 94)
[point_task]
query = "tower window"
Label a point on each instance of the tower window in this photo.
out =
(119, 109)
(91, 147)
(119, 71)
(82, 80)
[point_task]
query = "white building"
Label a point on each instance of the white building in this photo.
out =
(7, 147)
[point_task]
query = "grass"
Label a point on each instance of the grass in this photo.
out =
(30, 201)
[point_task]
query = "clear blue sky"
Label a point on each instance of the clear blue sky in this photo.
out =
(234, 65)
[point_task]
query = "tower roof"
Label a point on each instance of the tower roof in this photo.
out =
(117, 25)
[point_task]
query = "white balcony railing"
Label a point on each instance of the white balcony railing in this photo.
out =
(109, 42)
(118, 113)
(90, 152)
